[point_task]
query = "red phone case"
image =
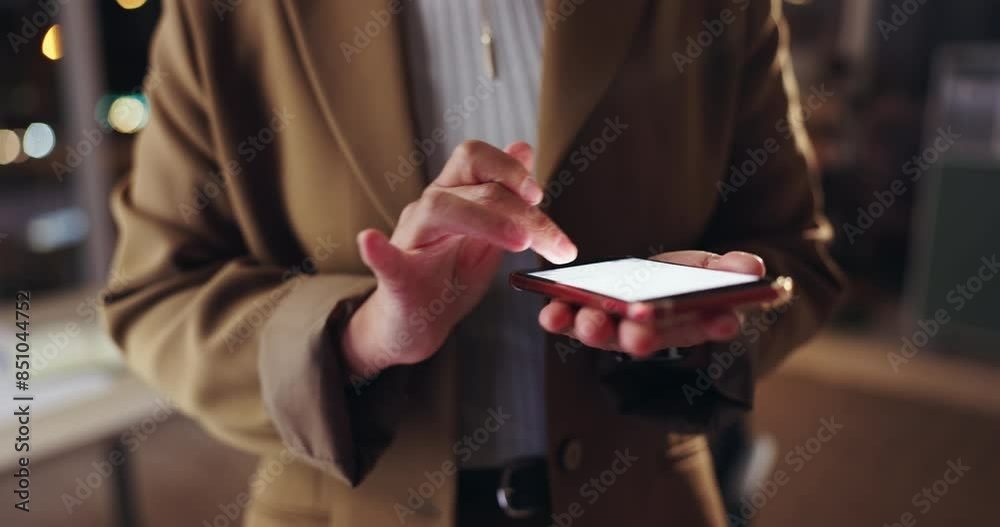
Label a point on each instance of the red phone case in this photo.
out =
(767, 291)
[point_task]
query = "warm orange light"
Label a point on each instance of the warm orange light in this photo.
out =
(52, 43)
(131, 4)
(10, 146)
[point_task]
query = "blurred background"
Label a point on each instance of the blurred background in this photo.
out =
(905, 115)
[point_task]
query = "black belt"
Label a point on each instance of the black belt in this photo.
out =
(518, 491)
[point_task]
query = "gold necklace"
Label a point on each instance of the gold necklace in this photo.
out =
(486, 38)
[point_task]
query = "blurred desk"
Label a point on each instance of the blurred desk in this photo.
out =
(78, 411)
(82, 394)
(862, 362)
(899, 430)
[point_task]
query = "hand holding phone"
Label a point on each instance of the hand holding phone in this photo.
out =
(639, 306)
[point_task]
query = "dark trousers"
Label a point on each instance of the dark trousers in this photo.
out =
(477, 500)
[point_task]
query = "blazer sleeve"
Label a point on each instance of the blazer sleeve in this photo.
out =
(775, 213)
(247, 347)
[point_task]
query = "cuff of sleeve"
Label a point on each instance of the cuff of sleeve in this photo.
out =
(317, 412)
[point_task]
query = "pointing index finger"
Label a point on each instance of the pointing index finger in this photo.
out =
(476, 162)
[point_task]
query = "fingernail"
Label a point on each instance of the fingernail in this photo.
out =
(640, 312)
(567, 248)
(531, 191)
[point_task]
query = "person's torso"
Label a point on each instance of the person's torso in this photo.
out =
(630, 147)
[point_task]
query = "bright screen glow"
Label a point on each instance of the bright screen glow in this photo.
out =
(638, 280)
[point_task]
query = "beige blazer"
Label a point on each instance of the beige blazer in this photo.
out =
(271, 145)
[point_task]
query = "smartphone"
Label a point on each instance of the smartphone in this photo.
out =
(636, 287)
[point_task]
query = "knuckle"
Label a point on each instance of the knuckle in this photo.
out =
(468, 150)
(434, 198)
(511, 230)
(408, 211)
(586, 324)
(541, 222)
(492, 192)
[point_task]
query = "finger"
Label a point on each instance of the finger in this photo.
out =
(721, 326)
(735, 261)
(593, 327)
(557, 317)
(739, 262)
(641, 311)
(522, 152)
(695, 258)
(643, 339)
(441, 213)
(383, 258)
(544, 236)
(474, 162)
(638, 339)
(547, 238)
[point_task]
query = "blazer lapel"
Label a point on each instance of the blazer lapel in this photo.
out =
(352, 55)
(583, 49)
(361, 88)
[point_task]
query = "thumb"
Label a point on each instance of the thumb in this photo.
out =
(382, 257)
(739, 262)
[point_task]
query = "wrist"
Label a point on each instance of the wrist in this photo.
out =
(358, 345)
(380, 335)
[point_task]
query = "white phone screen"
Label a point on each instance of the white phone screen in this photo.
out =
(639, 280)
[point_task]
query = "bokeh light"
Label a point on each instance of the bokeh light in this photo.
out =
(52, 43)
(39, 140)
(10, 146)
(131, 4)
(128, 114)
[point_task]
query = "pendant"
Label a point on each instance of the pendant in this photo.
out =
(487, 40)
